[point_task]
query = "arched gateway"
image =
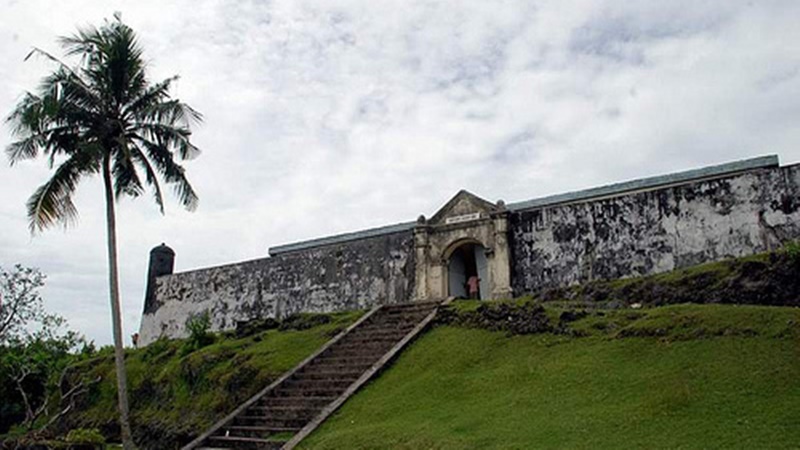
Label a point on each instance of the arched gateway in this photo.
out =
(468, 236)
(467, 259)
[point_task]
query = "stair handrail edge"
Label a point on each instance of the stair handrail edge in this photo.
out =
(366, 376)
(224, 421)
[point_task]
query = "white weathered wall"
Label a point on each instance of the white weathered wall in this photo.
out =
(346, 276)
(628, 235)
(654, 231)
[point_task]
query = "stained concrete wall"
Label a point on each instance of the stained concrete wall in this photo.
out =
(654, 231)
(350, 275)
(617, 231)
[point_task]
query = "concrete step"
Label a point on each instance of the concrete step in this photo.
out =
(305, 401)
(308, 392)
(365, 341)
(400, 326)
(409, 307)
(392, 322)
(283, 412)
(261, 425)
(242, 442)
(366, 347)
(347, 374)
(395, 318)
(334, 366)
(357, 351)
(350, 361)
(302, 397)
(348, 377)
(391, 316)
(373, 336)
(316, 384)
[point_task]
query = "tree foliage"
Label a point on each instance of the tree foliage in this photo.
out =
(35, 348)
(21, 311)
(102, 112)
(104, 116)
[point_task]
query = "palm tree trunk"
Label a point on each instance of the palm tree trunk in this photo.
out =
(116, 316)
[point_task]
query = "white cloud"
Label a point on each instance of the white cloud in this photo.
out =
(323, 117)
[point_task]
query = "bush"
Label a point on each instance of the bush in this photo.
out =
(304, 321)
(85, 436)
(254, 326)
(792, 250)
(527, 318)
(197, 325)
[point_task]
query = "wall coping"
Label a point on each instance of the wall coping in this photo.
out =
(344, 237)
(641, 184)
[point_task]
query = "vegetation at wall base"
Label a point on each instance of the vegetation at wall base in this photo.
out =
(177, 393)
(771, 278)
(568, 371)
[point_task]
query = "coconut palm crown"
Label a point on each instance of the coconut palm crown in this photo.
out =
(102, 113)
(103, 116)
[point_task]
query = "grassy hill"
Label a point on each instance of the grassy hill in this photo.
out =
(575, 368)
(686, 376)
(175, 393)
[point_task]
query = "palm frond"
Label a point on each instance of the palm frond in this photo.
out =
(83, 43)
(51, 121)
(123, 171)
(170, 112)
(150, 175)
(104, 107)
(52, 202)
(27, 148)
(172, 172)
(152, 95)
(35, 51)
(170, 136)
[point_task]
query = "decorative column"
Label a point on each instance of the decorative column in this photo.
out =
(421, 262)
(501, 260)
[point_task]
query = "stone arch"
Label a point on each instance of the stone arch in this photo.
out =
(455, 244)
(464, 220)
(463, 259)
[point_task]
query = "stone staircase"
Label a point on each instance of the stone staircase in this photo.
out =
(289, 409)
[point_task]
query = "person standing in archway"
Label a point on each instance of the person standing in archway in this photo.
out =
(473, 284)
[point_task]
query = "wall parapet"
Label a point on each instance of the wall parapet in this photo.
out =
(649, 183)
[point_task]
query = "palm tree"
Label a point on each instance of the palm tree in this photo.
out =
(103, 116)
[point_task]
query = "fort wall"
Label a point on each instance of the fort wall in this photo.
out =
(654, 231)
(356, 274)
(623, 230)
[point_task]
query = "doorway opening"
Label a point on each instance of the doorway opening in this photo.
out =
(466, 261)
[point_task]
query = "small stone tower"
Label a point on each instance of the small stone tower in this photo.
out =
(162, 262)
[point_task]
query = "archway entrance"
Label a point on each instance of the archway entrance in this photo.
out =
(467, 260)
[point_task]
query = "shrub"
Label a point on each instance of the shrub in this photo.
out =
(792, 250)
(197, 325)
(85, 438)
(527, 318)
(254, 326)
(304, 321)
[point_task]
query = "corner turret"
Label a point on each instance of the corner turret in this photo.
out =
(162, 262)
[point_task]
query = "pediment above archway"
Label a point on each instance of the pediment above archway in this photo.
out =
(462, 208)
(464, 220)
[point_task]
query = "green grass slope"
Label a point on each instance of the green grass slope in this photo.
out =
(685, 376)
(175, 395)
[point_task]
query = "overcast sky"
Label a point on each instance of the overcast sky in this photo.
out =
(333, 116)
